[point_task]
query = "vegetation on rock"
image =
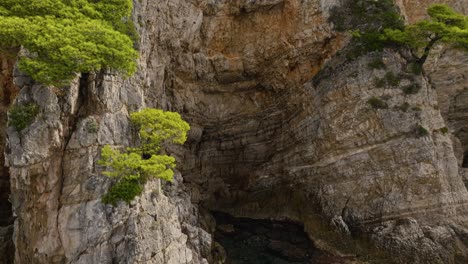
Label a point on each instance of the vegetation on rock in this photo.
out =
(421, 131)
(63, 37)
(157, 128)
(21, 116)
(92, 126)
(445, 25)
(411, 88)
(377, 103)
(378, 24)
(444, 130)
(134, 167)
(389, 79)
(366, 19)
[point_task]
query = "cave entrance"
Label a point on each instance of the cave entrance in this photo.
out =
(6, 214)
(252, 241)
(465, 160)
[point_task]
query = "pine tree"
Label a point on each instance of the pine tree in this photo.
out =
(133, 168)
(64, 37)
(445, 25)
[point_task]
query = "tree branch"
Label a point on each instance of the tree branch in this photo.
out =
(427, 49)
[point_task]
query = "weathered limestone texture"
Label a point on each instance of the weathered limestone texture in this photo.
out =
(281, 128)
(414, 10)
(7, 92)
(447, 70)
(56, 187)
(193, 54)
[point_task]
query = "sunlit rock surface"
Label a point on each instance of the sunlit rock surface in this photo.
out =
(281, 129)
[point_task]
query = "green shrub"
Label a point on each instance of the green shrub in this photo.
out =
(21, 116)
(92, 126)
(421, 131)
(68, 36)
(377, 103)
(158, 128)
(134, 167)
(389, 79)
(124, 190)
(444, 130)
(411, 88)
(392, 79)
(376, 63)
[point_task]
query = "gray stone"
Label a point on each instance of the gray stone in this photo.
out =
(270, 139)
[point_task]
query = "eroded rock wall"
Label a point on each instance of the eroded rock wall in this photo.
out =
(447, 69)
(414, 10)
(193, 54)
(268, 140)
(7, 93)
(325, 149)
(57, 189)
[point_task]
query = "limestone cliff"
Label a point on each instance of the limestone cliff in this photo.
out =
(281, 129)
(8, 92)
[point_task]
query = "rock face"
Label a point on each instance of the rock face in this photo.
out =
(414, 10)
(56, 187)
(7, 92)
(279, 130)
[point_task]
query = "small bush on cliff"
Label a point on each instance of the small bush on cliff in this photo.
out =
(134, 167)
(421, 131)
(21, 116)
(67, 36)
(411, 88)
(389, 79)
(377, 103)
(444, 130)
(92, 126)
(124, 190)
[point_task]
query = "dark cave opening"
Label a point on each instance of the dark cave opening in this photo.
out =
(253, 241)
(6, 218)
(465, 160)
(6, 215)
(7, 93)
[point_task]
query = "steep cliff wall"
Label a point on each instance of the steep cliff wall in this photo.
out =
(414, 10)
(56, 187)
(447, 70)
(270, 139)
(8, 92)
